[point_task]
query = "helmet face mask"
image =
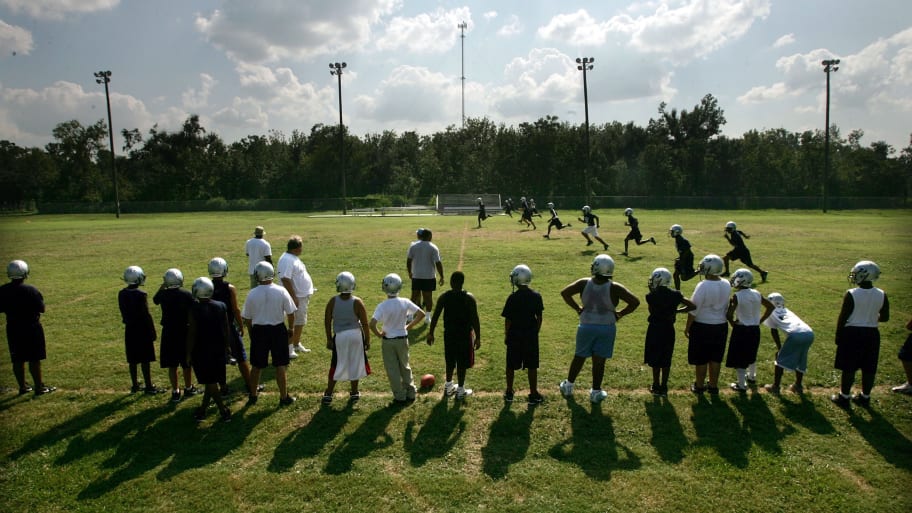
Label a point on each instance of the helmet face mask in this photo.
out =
(730, 226)
(661, 277)
(218, 268)
(865, 270)
(134, 275)
(521, 275)
(173, 279)
(675, 230)
(711, 265)
(17, 270)
(587, 209)
(742, 279)
(628, 212)
(602, 265)
(264, 271)
(345, 282)
(391, 284)
(202, 288)
(550, 205)
(776, 299)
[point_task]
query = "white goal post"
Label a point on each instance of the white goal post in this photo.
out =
(467, 203)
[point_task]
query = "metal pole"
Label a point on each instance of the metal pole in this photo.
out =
(584, 65)
(829, 65)
(336, 69)
(462, 27)
(105, 77)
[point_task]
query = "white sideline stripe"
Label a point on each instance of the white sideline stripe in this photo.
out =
(465, 235)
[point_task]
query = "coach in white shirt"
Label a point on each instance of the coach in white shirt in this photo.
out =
(296, 280)
(258, 250)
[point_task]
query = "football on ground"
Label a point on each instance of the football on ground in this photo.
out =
(427, 381)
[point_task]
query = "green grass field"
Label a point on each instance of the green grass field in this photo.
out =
(91, 446)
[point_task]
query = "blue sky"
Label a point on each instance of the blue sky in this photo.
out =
(249, 67)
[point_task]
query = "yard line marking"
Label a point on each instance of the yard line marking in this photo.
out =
(465, 235)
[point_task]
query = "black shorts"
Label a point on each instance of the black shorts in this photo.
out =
(857, 349)
(660, 343)
(743, 346)
(741, 253)
(266, 339)
(634, 235)
(522, 349)
(707, 343)
(173, 348)
(686, 269)
(424, 284)
(458, 351)
(26, 343)
(905, 352)
(236, 344)
(209, 372)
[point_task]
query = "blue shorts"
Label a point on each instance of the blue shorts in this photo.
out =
(794, 353)
(595, 340)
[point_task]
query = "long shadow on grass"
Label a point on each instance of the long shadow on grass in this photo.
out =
(895, 448)
(309, 440)
(508, 441)
(717, 426)
(71, 427)
(592, 446)
(759, 422)
(804, 412)
(143, 441)
(667, 433)
(370, 436)
(439, 433)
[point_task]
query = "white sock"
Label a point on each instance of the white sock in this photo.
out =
(752, 370)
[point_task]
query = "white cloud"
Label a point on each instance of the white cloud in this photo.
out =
(761, 94)
(678, 31)
(511, 28)
(14, 40)
(244, 113)
(411, 94)
(57, 9)
(784, 41)
(258, 32)
(194, 99)
(490, 15)
(426, 33)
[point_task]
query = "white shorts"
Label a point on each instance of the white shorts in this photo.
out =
(591, 230)
(301, 312)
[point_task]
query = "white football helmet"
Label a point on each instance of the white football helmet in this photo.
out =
(675, 230)
(173, 279)
(345, 282)
(711, 265)
(550, 205)
(202, 288)
(17, 270)
(865, 270)
(776, 299)
(660, 277)
(741, 279)
(479, 201)
(218, 268)
(602, 265)
(628, 212)
(730, 226)
(521, 275)
(392, 284)
(264, 271)
(586, 209)
(134, 275)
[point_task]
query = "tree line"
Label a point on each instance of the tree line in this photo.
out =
(678, 153)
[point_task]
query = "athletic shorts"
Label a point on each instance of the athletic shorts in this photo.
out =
(458, 351)
(857, 349)
(905, 352)
(301, 312)
(522, 349)
(660, 343)
(707, 343)
(236, 344)
(595, 340)
(173, 348)
(794, 353)
(741, 253)
(424, 284)
(591, 230)
(743, 346)
(26, 343)
(634, 235)
(266, 339)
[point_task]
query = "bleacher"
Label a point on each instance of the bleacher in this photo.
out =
(456, 204)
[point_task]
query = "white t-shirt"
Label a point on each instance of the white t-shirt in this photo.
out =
(424, 256)
(750, 307)
(868, 303)
(268, 305)
(257, 251)
(291, 267)
(392, 314)
(785, 320)
(711, 298)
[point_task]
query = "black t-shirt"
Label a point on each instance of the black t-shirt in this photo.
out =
(523, 308)
(663, 302)
(22, 303)
(175, 306)
(459, 311)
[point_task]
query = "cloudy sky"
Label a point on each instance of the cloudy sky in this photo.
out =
(249, 67)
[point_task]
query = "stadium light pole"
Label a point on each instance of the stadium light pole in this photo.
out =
(104, 77)
(829, 65)
(335, 68)
(462, 26)
(584, 65)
